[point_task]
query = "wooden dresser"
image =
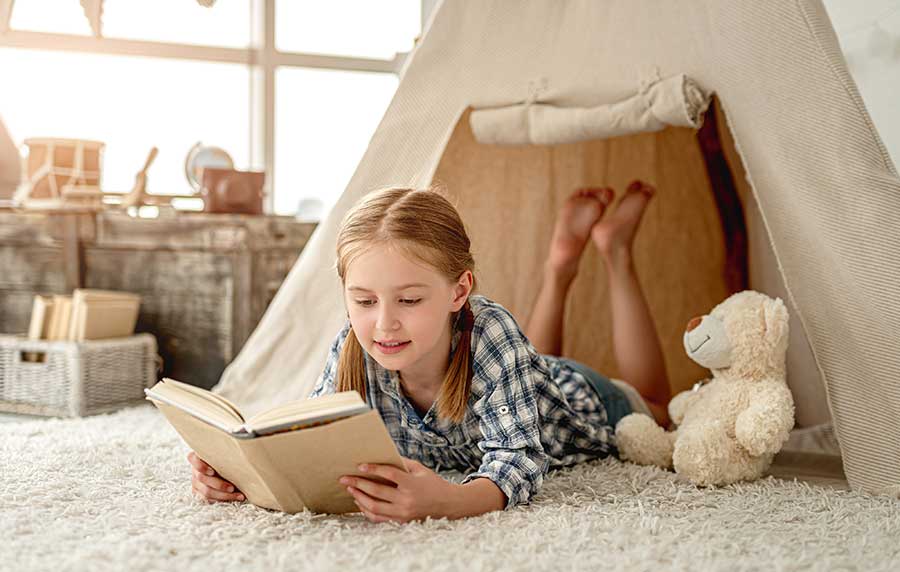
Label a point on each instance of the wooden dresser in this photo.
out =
(205, 279)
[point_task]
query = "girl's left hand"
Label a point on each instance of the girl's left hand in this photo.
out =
(412, 495)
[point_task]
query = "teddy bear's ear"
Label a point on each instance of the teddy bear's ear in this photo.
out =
(776, 317)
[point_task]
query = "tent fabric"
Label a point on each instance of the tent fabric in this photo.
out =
(10, 164)
(827, 192)
(676, 101)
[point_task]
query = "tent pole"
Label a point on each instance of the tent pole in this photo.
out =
(728, 202)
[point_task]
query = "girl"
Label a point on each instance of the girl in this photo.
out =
(457, 383)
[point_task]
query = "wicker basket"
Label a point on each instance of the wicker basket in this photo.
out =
(73, 379)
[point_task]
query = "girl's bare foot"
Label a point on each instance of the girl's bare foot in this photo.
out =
(578, 215)
(614, 235)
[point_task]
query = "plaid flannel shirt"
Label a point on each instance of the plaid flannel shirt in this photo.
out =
(527, 412)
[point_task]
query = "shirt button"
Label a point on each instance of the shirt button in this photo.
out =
(503, 410)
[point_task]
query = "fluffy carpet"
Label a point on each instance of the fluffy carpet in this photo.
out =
(112, 493)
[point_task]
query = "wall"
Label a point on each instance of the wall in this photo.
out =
(869, 33)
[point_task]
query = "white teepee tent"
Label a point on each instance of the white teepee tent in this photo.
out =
(10, 164)
(787, 134)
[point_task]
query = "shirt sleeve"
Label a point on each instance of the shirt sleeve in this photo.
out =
(514, 458)
(327, 382)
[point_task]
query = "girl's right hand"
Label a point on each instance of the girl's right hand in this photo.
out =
(209, 485)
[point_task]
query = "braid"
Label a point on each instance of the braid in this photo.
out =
(454, 395)
(351, 369)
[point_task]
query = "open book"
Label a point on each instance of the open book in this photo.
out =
(287, 458)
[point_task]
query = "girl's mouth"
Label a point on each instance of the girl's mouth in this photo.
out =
(391, 347)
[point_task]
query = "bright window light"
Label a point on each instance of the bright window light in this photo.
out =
(58, 16)
(226, 24)
(131, 104)
(324, 120)
(359, 28)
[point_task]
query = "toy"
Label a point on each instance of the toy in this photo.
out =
(138, 193)
(62, 174)
(730, 427)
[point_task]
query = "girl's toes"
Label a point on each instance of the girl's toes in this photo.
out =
(641, 187)
(606, 196)
(615, 233)
(579, 213)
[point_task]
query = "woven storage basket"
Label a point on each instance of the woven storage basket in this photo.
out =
(72, 379)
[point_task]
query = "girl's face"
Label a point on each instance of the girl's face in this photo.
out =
(400, 310)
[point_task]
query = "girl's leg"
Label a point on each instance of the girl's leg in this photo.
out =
(635, 342)
(570, 235)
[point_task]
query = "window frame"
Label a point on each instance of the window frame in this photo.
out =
(262, 57)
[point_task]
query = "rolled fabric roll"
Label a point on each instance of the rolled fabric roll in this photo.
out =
(676, 100)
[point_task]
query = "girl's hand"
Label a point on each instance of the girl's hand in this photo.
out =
(206, 483)
(411, 495)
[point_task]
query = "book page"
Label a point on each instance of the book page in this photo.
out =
(291, 423)
(198, 403)
(206, 394)
(307, 409)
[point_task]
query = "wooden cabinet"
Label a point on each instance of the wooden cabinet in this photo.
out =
(205, 279)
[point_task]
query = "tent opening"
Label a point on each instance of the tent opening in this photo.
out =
(700, 239)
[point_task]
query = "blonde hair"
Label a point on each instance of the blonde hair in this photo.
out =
(426, 227)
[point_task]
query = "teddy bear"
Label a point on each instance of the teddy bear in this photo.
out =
(729, 427)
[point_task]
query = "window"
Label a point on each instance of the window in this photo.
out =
(49, 16)
(131, 104)
(170, 73)
(359, 28)
(324, 125)
(180, 21)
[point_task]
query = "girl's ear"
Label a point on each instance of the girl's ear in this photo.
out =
(462, 289)
(344, 302)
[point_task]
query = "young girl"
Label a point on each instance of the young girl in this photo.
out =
(457, 383)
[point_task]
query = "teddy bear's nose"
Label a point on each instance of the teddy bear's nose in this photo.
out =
(693, 323)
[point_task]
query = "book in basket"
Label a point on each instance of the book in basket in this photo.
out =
(287, 458)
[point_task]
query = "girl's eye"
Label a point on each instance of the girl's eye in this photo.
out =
(410, 301)
(365, 303)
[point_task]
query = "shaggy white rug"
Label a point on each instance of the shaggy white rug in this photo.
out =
(112, 493)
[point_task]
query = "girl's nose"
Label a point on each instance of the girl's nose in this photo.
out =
(386, 320)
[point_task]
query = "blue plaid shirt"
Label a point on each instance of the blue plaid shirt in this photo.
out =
(527, 412)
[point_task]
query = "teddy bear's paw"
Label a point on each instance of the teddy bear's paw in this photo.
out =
(680, 404)
(640, 440)
(763, 427)
(706, 455)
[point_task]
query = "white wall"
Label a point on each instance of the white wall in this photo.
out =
(869, 32)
